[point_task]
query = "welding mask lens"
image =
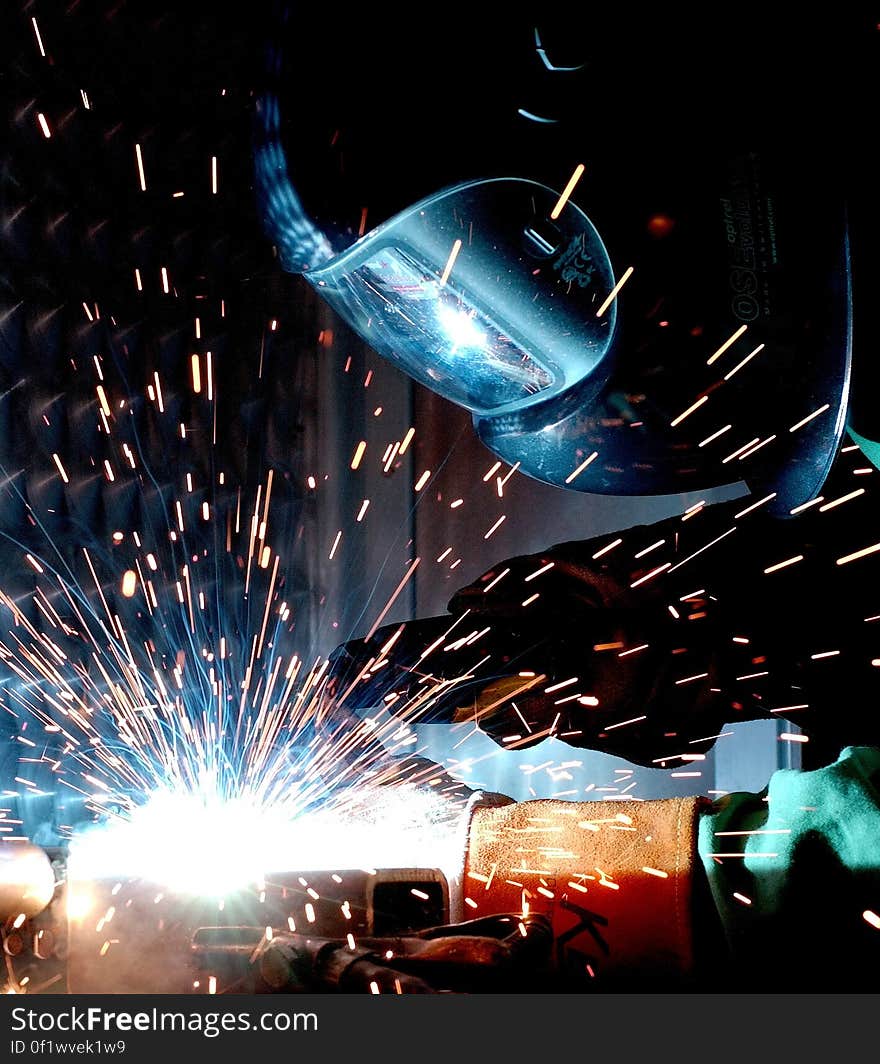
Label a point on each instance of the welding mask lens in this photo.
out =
(480, 295)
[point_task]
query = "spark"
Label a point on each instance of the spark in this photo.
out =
(61, 469)
(612, 295)
(755, 505)
(783, 565)
(806, 505)
(649, 576)
(359, 454)
(839, 502)
(496, 526)
(608, 547)
(625, 723)
(39, 38)
(688, 679)
(690, 557)
(727, 343)
(744, 362)
(804, 421)
(743, 856)
(752, 450)
(577, 472)
(503, 480)
(741, 450)
(406, 577)
(450, 262)
(715, 435)
(567, 191)
(561, 685)
(140, 166)
(539, 572)
(694, 406)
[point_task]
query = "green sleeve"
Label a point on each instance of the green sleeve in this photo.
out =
(794, 872)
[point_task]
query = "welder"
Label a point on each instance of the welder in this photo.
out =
(763, 606)
(758, 607)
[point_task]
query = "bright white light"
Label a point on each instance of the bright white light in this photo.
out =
(459, 326)
(79, 904)
(211, 846)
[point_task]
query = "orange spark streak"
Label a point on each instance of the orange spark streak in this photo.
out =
(612, 295)
(800, 424)
(577, 472)
(730, 340)
(847, 558)
(608, 547)
(450, 262)
(694, 406)
(785, 564)
(393, 598)
(744, 362)
(358, 454)
(140, 166)
(843, 498)
(64, 475)
(567, 191)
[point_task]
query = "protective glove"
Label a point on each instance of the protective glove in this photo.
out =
(490, 954)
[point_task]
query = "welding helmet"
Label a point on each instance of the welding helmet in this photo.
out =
(647, 291)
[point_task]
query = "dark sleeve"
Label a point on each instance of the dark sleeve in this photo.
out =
(646, 642)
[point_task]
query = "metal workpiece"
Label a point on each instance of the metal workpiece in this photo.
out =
(27, 881)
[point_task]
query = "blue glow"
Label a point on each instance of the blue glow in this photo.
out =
(460, 327)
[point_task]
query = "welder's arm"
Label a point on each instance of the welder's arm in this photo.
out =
(646, 642)
(580, 642)
(770, 891)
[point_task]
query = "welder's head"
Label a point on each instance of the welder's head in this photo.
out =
(636, 276)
